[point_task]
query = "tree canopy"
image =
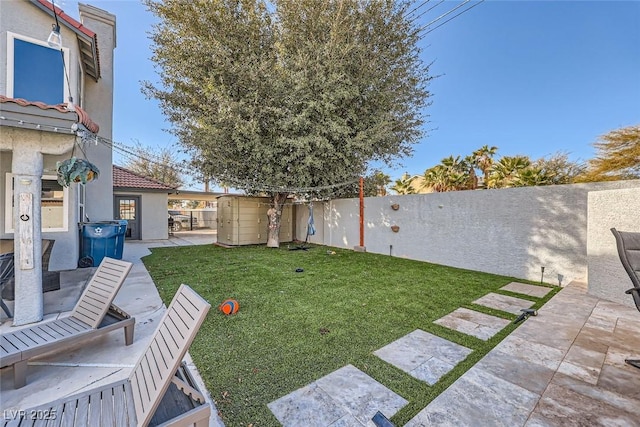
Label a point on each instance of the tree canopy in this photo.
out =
(158, 164)
(617, 156)
(289, 95)
(456, 173)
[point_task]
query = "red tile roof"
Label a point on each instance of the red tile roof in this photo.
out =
(126, 179)
(83, 117)
(66, 18)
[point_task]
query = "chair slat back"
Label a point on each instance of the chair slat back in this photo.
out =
(156, 367)
(628, 244)
(101, 290)
(6, 267)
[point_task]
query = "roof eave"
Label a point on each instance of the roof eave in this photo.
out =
(35, 118)
(143, 189)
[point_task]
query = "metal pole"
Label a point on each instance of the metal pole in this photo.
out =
(361, 212)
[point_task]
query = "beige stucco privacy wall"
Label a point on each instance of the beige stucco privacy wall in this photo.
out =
(513, 232)
(618, 209)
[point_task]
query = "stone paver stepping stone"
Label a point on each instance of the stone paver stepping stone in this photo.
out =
(478, 398)
(504, 303)
(346, 397)
(470, 322)
(423, 355)
(525, 289)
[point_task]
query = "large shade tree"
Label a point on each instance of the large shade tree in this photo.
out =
(289, 96)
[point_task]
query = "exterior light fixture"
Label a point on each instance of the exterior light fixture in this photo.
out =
(55, 39)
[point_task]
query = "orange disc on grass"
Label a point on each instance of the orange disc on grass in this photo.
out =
(229, 307)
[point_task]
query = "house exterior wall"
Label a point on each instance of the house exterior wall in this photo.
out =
(22, 18)
(66, 242)
(608, 209)
(512, 232)
(98, 102)
(153, 214)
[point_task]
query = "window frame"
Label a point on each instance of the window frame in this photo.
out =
(11, 64)
(9, 200)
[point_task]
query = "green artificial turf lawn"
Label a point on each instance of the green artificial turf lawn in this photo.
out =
(294, 328)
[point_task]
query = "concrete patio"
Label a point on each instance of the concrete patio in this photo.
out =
(105, 359)
(562, 367)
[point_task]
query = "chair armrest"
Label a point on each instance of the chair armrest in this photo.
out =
(635, 293)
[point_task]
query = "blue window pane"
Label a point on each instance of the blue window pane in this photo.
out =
(38, 73)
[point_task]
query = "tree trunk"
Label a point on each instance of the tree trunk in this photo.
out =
(274, 214)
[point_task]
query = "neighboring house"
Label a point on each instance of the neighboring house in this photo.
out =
(54, 103)
(142, 202)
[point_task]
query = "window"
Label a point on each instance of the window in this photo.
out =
(35, 71)
(54, 205)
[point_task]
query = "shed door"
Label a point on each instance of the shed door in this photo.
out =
(128, 207)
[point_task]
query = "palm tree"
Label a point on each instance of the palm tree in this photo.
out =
(436, 179)
(483, 160)
(505, 172)
(472, 180)
(404, 185)
(532, 176)
(449, 175)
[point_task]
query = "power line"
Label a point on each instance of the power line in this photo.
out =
(424, 27)
(234, 183)
(454, 16)
(413, 19)
(415, 9)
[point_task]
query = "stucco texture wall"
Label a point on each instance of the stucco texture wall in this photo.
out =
(66, 242)
(154, 216)
(618, 209)
(513, 232)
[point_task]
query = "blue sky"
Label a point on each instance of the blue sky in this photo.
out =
(530, 77)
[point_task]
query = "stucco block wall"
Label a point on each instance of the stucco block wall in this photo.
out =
(513, 232)
(618, 209)
(301, 221)
(155, 223)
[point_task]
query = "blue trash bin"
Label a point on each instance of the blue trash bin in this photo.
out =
(101, 239)
(122, 231)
